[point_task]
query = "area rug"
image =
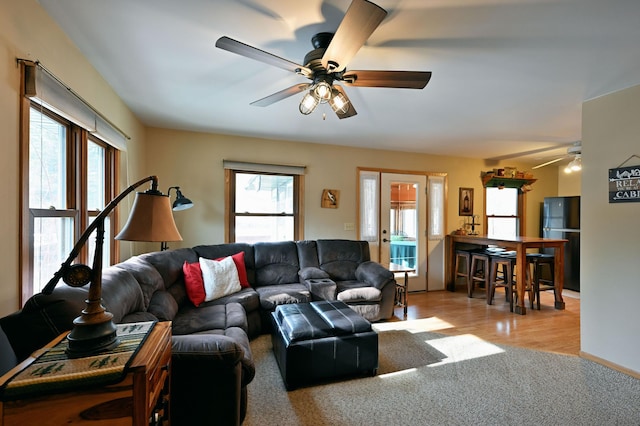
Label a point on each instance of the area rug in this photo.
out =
(426, 378)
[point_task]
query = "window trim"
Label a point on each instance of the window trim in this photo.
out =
(230, 202)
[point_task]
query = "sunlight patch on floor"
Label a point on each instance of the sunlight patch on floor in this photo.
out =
(397, 373)
(414, 326)
(461, 348)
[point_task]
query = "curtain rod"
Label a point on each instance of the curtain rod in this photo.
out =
(76, 95)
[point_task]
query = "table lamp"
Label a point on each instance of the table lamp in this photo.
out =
(150, 220)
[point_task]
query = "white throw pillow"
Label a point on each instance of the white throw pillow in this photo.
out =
(220, 277)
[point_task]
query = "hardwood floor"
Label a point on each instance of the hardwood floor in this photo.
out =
(453, 313)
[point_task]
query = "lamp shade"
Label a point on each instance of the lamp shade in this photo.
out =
(150, 219)
(181, 202)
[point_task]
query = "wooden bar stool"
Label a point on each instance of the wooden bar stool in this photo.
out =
(479, 273)
(539, 261)
(505, 277)
(505, 280)
(463, 266)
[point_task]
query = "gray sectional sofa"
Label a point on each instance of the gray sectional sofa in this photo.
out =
(211, 352)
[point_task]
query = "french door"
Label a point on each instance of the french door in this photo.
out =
(402, 218)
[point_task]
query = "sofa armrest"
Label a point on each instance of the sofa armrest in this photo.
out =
(374, 274)
(208, 379)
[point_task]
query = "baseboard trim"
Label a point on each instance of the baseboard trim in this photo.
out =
(609, 364)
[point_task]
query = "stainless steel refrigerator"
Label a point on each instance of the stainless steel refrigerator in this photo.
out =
(561, 219)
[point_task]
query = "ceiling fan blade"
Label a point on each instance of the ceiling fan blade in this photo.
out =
(361, 19)
(235, 46)
(395, 79)
(548, 163)
(351, 111)
(278, 96)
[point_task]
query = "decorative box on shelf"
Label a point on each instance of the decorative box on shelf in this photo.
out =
(133, 387)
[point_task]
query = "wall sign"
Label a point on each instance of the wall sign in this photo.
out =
(624, 185)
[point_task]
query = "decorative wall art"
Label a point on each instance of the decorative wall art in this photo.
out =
(330, 198)
(465, 206)
(624, 184)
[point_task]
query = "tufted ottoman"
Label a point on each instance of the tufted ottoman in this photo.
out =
(322, 340)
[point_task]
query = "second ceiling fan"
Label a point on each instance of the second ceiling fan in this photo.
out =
(326, 64)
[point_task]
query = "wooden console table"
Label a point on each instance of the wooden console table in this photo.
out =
(141, 398)
(520, 245)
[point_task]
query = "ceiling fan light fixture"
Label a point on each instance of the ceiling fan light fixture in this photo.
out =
(308, 103)
(322, 91)
(339, 102)
(575, 165)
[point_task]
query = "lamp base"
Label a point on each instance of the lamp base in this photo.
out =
(88, 339)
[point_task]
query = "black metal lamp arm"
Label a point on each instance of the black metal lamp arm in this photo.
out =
(98, 222)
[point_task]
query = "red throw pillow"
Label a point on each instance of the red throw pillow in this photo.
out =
(193, 282)
(238, 259)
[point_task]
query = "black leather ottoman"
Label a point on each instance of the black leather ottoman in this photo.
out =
(322, 340)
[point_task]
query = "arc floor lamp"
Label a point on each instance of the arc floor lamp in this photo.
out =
(150, 220)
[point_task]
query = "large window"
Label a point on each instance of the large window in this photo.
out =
(263, 206)
(502, 209)
(69, 181)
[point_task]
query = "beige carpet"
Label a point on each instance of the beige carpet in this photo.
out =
(432, 379)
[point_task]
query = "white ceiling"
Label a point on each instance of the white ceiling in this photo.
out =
(509, 76)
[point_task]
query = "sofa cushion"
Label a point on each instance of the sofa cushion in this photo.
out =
(220, 277)
(340, 258)
(276, 263)
(238, 259)
(146, 274)
(163, 306)
(274, 295)
(209, 317)
(360, 294)
(193, 283)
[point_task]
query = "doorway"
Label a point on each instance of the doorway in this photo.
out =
(402, 218)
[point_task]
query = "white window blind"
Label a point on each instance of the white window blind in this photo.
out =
(263, 168)
(369, 205)
(436, 207)
(44, 88)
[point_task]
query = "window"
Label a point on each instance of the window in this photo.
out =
(69, 180)
(502, 209)
(263, 206)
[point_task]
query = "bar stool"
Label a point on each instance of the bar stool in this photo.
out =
(463, 259)
(538, 261)
(480, 265)
(507, 264)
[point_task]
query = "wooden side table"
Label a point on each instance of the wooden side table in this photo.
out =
(402, 289)
(141, 398)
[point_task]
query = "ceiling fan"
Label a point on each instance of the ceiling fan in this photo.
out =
(326, 64)
(574, 151)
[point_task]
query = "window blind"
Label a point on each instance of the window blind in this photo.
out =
(46, 89)
(264, 168)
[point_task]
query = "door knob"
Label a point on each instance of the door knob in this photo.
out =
(384, 240)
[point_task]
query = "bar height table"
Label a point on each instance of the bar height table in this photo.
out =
(520, 245)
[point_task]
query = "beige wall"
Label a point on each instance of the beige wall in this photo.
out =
(610, 283)
(194, 162)
(569, 184)
(27, 32)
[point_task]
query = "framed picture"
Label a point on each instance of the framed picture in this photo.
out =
(465, 202)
